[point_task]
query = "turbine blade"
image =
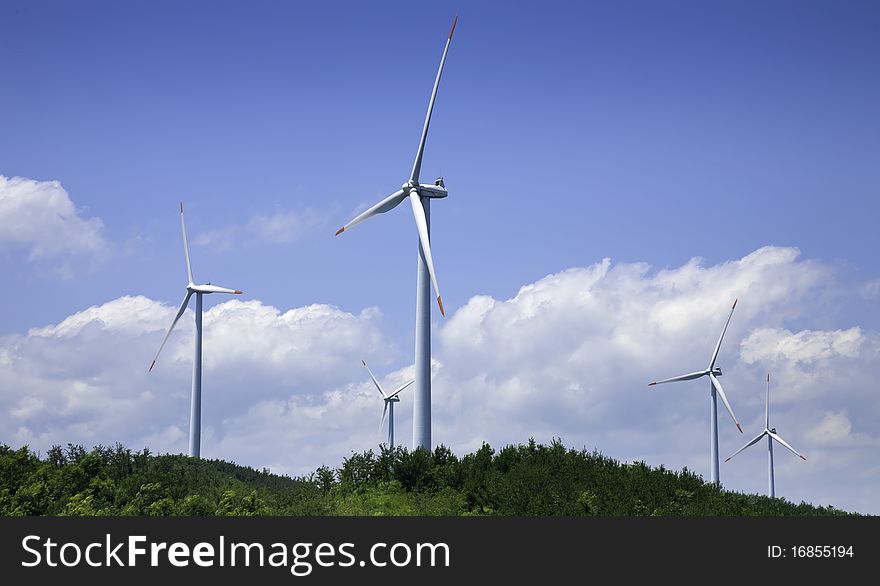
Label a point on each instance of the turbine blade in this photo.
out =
(401, 387)
(751, 443)
(189, 270)
(375, 382)
(424, 240)
(690, 376)
(173, 323)
(390, 202)
(215, 289)
(784, 443)
(718, 345)
(417, 165)
(721, 394)
(767, 405)
(384, 413)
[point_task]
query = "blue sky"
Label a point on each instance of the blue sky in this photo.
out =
(643, 132)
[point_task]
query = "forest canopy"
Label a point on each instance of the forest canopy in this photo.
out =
(526, 480)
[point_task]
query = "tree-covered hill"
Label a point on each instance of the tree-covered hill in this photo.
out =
(531, 479)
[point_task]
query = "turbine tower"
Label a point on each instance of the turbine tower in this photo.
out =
(419, 196)
(390, 400)
(713, 372)
(195, 414)
(771, 434)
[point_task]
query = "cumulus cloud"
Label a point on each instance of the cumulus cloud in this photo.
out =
(571, 354)
(568, 356)
(280, 227)
(40, 217)
(804, 347)
(85, 379)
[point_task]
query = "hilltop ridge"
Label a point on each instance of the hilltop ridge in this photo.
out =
(525, 480)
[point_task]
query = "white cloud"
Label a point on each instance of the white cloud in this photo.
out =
(39, 216)
(568, 356)
(85, 379)
(571, 354)
(280, 227)
(871, 289)
(833, 429)
(285, 227)
(805, 346)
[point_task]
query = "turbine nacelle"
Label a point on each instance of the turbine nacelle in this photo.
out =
(437, 191)
(716, 371)
(208, 288)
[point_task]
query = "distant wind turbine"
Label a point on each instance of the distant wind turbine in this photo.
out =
(771, 434)
(713, 372)
(195, 415)
(390, 400)
(419, 196)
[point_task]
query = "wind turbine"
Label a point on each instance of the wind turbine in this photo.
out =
(419, 196)
(771, 434)
(713, 372)
(195, 414)
(390, 400)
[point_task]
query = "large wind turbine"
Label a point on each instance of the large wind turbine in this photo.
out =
(713, 372)
(771, 434)
(419, 196)
(195, 414)
(390, 400)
